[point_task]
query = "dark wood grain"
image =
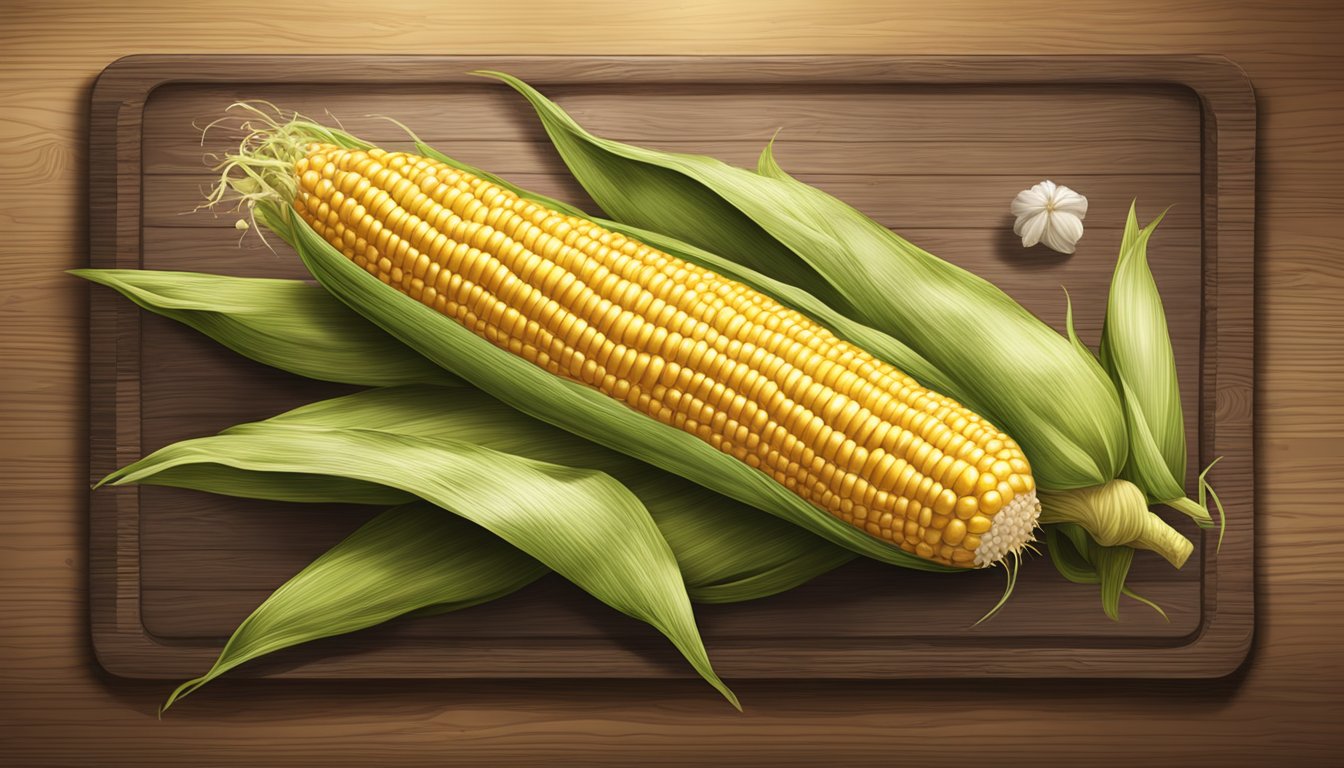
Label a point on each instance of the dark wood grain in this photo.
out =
(167, 601)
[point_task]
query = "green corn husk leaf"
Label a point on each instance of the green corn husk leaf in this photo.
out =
(409, 558)
(412, 559)
(719, 543)
(1136, 351)
(287, 324)
(581, 523)
(566, 404)
(1056, 402)
(1068, 555)
(1081, 560)
(1113, 567)
(727, 551)
(415, 559)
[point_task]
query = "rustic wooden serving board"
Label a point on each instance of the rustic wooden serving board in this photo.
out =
(935, 147)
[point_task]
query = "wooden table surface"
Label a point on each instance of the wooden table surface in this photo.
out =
(1283, 707)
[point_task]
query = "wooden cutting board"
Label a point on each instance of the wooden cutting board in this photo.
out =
(934, 147)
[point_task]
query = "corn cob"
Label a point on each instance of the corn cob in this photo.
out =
(846, 432)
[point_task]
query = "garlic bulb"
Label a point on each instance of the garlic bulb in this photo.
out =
(1049, 213)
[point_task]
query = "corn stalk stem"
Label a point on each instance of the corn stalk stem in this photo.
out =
(1116, 514)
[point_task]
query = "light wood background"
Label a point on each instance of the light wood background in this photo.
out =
(1283, 707)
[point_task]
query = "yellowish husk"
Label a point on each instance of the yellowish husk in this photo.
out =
(1111, 514)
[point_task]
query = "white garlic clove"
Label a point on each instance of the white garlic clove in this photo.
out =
(1049, 213)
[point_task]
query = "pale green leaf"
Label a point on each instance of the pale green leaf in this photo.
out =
(1136, 351)
(766, 165)
(717, 541)
(581, 523)
(727, 552)
(202, 475)
(1112, 565)
(406, 559)
(1131, 234)
(1146, 467)
(415, 559)
(785, 573)
(1065, 546)
(1068, 326)
(288, 324)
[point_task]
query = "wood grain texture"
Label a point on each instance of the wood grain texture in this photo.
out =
(57, 708)
(151, 596)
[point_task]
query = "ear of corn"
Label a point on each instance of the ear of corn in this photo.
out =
(1136, 351)
(691, 446)
(581, 523)
(840, 428)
